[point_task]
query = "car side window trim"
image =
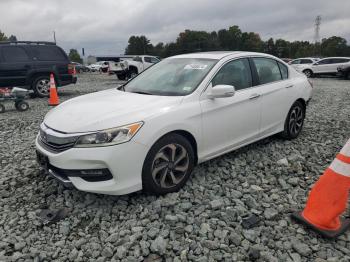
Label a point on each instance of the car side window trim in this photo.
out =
(228, 61)
(258, 85)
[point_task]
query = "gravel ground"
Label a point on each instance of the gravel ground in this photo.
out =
(202, 222)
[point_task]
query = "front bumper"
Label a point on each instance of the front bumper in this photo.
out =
(124, 161)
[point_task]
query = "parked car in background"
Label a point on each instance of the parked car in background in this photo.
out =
(29, 64)
(80, 68)
(326, 66)
(302, 63)
(286, 60)
(182, 111)
(127, 68)
(344, 71)
(101, 66)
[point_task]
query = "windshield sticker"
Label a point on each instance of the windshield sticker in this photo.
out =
(186, 88)
(196, 67)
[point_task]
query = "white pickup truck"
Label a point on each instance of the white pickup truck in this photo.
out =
(129, 68)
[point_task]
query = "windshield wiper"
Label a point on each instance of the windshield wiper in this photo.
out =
(121, 87)
(141, 92)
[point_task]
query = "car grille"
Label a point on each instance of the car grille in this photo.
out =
(55, 143)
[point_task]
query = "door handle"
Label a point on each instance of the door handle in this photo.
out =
(289, 86)
(254, 96)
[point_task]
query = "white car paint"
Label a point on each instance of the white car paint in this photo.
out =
(328, 65)
(137, 64)
(300, 64)
(218, 125)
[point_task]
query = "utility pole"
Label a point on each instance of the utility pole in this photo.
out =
(317, 29)
(317, 35)
(54, 36)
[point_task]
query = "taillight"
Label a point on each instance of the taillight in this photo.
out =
(71, 69)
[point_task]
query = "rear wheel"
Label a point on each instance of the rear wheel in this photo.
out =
(121, 76)
(308, 73)
(168, 165)
(41, 86)
(22, 106)
(2, 109)
(295, 121)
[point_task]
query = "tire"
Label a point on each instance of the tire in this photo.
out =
(160, 173)
(22, 106)
(121, 76)
(308, 73)
(2, 109)
(41, 86)
(133, 74)
(294, 121)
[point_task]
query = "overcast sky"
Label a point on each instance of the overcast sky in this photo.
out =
(104, 26)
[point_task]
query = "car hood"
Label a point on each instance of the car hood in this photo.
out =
(107, 109)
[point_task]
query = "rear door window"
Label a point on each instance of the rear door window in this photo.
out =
(296, 62)
(339, 60)
(13, 54)
(325, 62)
(268, 70)
(48, 53)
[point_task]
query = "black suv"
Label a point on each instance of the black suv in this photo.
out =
(29, 64)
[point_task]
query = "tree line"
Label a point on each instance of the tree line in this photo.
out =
(233, 39)
(11, 38)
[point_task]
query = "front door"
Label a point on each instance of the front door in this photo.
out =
(232, 121)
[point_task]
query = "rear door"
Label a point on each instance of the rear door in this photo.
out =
(14, 66)
(276, 93)
(51, 58)
(323, 66)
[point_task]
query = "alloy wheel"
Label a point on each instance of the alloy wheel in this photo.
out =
(170, 165)
(307, 73)
(43, 86)
(296, 120)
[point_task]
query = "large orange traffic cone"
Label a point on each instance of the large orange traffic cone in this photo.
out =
(328, 198)
(53, 100)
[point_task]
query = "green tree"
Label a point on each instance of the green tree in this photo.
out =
(3, 37)
(334, 46)
(12, 38)
(74, 56)
(251, 42)
(138, 45)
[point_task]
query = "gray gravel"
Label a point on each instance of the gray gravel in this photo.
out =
(202, 222)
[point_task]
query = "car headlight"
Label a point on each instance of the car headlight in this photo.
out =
(109, 137)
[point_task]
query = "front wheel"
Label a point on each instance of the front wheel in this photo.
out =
(308, 73)
(295, 121)
(168, 165)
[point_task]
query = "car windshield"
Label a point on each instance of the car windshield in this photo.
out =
(171, 77)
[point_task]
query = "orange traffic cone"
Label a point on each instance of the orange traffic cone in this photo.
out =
(53, 100)
(328, 198)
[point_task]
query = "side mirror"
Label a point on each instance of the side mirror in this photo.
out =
(221, 91)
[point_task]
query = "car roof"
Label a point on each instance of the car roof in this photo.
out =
(312, 58)
(335, 57)
(220, 54)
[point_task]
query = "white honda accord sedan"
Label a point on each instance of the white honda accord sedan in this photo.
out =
(150, 133)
